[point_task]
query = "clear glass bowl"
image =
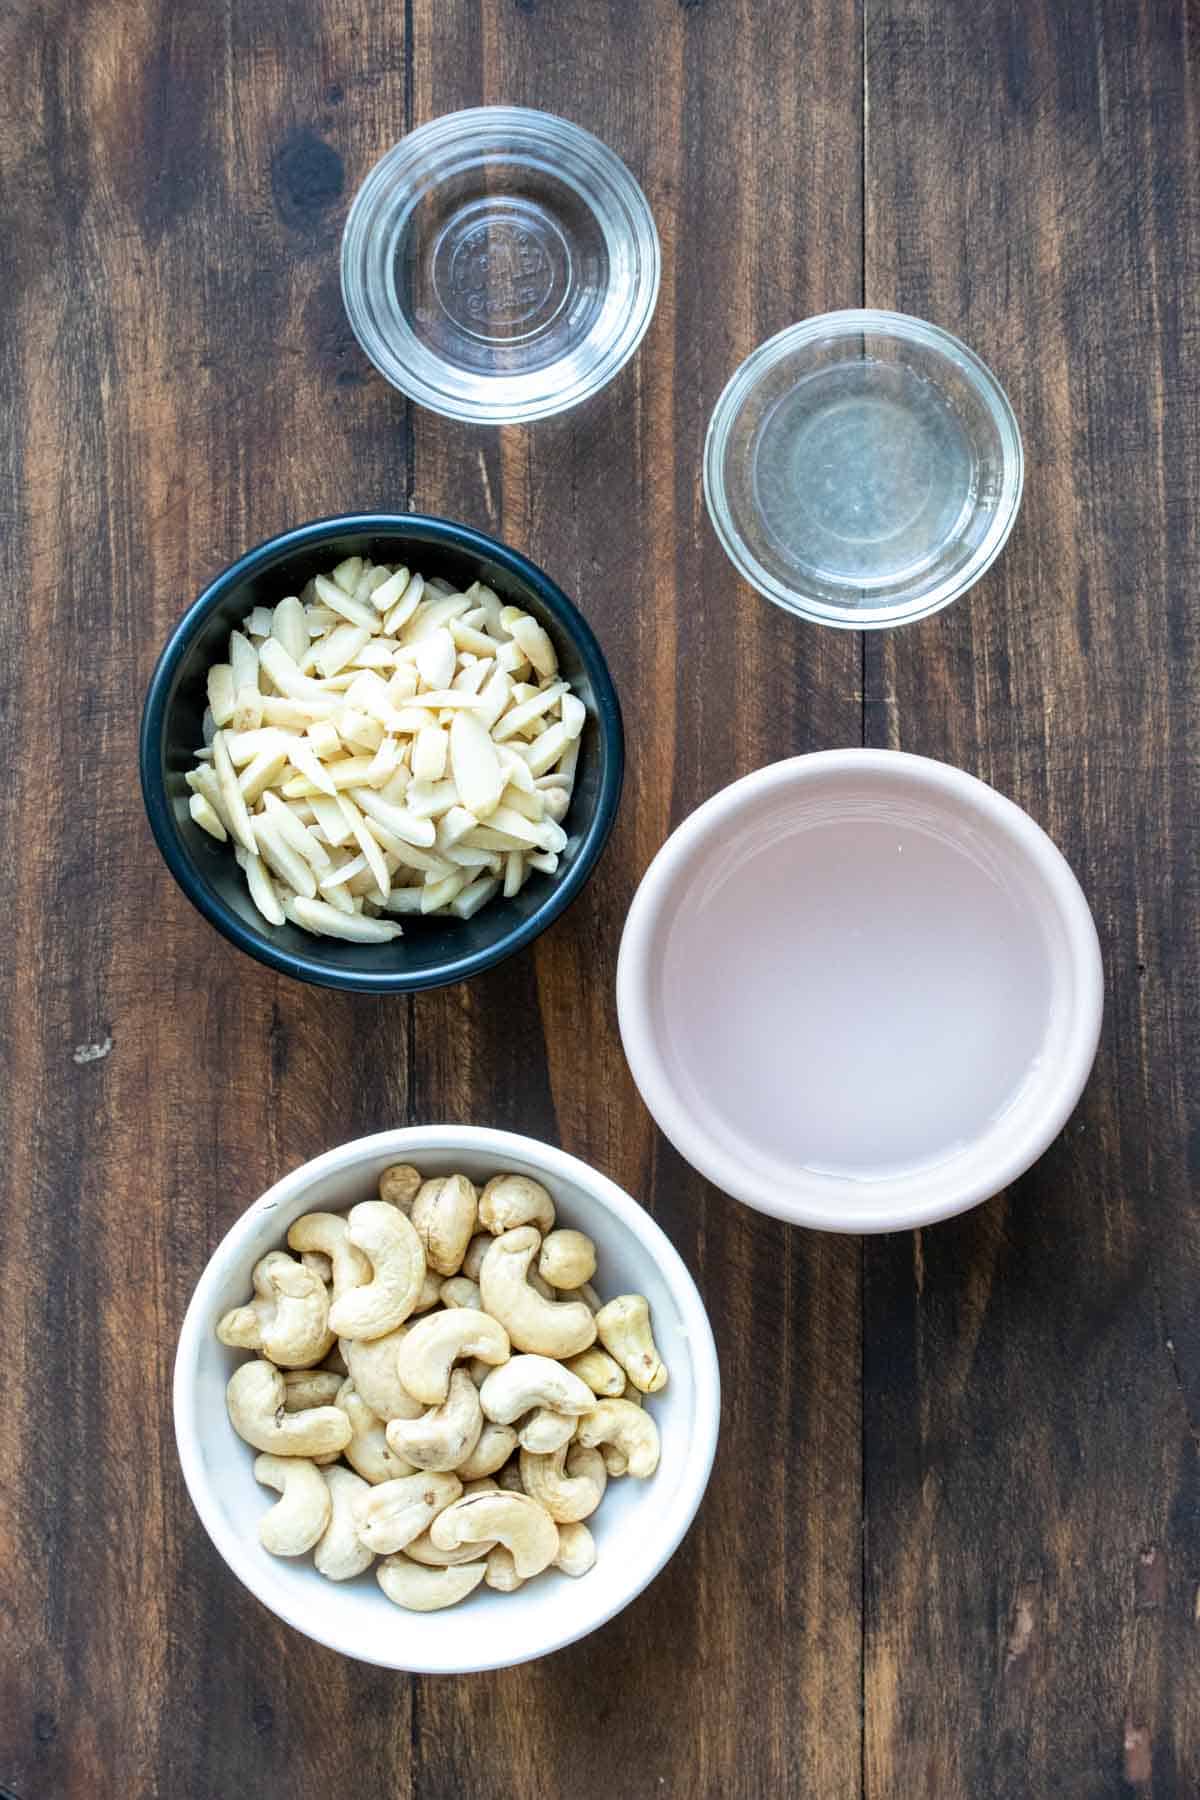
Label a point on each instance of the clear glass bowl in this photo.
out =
(499, 265)
(863, 469)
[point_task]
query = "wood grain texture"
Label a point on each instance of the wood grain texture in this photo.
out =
(182, 383)
(1033, 1371)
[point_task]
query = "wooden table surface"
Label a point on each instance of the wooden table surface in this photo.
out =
(952, 1542)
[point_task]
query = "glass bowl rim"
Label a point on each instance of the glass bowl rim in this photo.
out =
(385, 193)
(848, 322)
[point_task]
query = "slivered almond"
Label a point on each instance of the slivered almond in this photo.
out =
(335, 597)
(396, 819)
(389, 591)
(262, 888)
(282, 860)
(332, 820)
(323, 736)
(206, 816)
(346, 574)
(290, 627)
(306, 762)
(467, 902)
(518, 717)
(284, 673)
(435, 658)
(261, 774)
(340, 648)
(356, 928)
(220, 693)
(297, 836)
(405, 607)
(243, 660)
(430, 750)
(232, 803)
(475, 766)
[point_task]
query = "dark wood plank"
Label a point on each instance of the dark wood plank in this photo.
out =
(714, 682)
(181, 385)
(1033, 1371)
(182, 382)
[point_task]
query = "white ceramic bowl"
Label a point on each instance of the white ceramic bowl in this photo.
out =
(860, 990)
(638, 1524)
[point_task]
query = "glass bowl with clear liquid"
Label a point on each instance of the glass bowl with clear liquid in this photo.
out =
(499, 265)
(863, 468)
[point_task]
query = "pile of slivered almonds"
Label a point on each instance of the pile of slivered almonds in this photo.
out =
(449, 1346)
(382, 745)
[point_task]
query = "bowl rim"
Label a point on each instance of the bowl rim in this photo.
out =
(310, 967)
(406, 364)
(801, 1205)
(846, 322)
(403, 1142)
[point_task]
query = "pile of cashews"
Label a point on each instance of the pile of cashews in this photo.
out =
(381, 1445)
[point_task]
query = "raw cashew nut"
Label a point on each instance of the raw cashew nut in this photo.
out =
(432, 1346)
(340, 1556)
(319, 1263)
(460, 1290)
(478, 1370)
(373, 1369)
(514, 1520)
(543, 1326)
(502, 1570)
(616, 1463)
(477, 1249)
(368, 1450)
(587, 1293)
(495, 1445)
(409, 1585)
(546, 1431)
(397, 1261)
(296, 1521)
(526, 1382)
(288, 1319)
(335, 1362)
(255, 1398)
(570, 1484)
(567, 1259)
(303, 1388)
(444, 1216)
(399, 1186)
(629, 1429)
(576, 1550)
(445, 1436)
(328, 1233)
(430, 1294)
(423, 1550)
(391, 1515)
(599, 1370)
(511, 1200)
(623, 1327)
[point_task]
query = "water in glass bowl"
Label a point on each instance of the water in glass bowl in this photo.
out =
(863, 472)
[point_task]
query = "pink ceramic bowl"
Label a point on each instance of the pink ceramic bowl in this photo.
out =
(860, 990)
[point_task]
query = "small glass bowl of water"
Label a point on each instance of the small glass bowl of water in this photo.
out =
(500, 265)
(863, 469)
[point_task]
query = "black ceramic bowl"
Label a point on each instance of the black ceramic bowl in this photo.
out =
(432, 952)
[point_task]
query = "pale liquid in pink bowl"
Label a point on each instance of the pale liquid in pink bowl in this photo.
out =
(859, 998)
